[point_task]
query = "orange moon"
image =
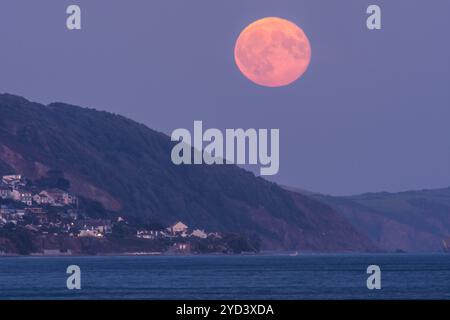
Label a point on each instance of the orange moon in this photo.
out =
(272, 52)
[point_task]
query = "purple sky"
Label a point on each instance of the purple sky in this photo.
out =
(372, 113)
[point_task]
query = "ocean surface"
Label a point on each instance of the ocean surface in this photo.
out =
(309, 276)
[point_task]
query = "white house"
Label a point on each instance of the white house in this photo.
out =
(90, 233)
(199, 234)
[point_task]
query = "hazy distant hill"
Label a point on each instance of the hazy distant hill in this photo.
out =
(410, 221)
(126, 166)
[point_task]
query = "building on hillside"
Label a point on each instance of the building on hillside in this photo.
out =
(150, 234)
(199, 234)
(14, 180)
(57, 197)
(37, 199)
(43, 198)
(144, 234)
(178, 228)
(100, 226)
(90, 233)
(26, 197)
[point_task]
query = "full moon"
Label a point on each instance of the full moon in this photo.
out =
(272, 52)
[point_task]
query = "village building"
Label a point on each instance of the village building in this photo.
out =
(90, 233)
(143, 234)
(178, 228)
(43, 199)
(199, 234)
(9, 179)
(151, 234)
(57, 197)
(26, 197)
(15, 181)
(37, 199)
(99, 226)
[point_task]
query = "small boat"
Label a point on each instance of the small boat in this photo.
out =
(294, 254)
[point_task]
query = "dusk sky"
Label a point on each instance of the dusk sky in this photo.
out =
(372, 112)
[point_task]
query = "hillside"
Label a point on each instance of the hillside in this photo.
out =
(409, 221)
(127, 168)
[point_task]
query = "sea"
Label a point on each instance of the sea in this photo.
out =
(253, 277)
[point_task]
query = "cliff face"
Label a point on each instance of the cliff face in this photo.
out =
(127, 167)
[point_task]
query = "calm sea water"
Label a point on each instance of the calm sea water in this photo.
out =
(404, 276)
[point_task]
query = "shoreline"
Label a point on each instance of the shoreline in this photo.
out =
(261, 254)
